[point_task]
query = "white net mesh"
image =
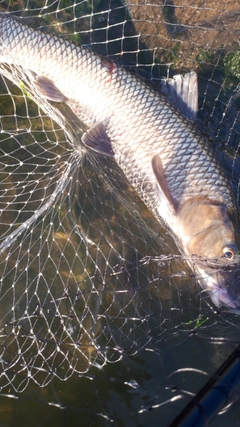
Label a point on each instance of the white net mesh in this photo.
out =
(80, 285)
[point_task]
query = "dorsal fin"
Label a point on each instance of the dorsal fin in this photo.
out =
(182, 92)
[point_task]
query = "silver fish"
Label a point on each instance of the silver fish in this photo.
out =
(163, 155)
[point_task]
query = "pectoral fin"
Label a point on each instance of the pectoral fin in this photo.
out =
(162, 183)
(97, 139)
(48, 89)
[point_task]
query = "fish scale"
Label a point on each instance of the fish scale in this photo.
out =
(163, 155)
(130, 107)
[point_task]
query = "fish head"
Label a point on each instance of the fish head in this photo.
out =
(208, 235)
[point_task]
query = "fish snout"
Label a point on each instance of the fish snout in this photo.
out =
(223, 286)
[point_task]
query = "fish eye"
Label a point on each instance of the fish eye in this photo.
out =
(229, 252)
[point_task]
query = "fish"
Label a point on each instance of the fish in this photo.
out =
(163, 154)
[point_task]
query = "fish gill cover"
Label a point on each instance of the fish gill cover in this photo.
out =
(93, 290)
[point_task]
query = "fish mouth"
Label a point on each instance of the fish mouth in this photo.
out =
(223, 297)
(223, 287)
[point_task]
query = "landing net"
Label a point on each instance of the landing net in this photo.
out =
(92, 287)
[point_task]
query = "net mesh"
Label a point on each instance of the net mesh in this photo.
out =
(89, 279)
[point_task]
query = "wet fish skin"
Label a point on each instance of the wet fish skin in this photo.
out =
(162, 154)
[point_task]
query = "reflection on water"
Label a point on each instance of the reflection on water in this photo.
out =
(75, 293)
